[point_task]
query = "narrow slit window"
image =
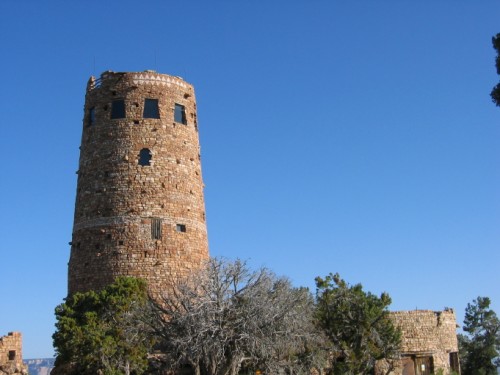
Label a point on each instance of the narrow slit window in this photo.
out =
(118, 109)
(151, 108)
(180, 114)
(156, 229)
(145, 157)
(91, 118)
(454, 363)
(180, 228)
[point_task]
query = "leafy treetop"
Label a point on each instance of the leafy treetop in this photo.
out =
(495, 93)
(480, 346)
(98, 332)
(357, 324)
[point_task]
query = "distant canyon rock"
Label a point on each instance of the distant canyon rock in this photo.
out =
(41, 366)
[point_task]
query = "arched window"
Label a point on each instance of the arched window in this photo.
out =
(145, 157)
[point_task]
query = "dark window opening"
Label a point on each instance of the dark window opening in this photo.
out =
(151, 108)
(424, 365)
(118, 109)
(180, 228)
(12, 355)
(91, 118)
(145, 157)
(120, 243)
(156, 229)
(454, 363)
(180, 114)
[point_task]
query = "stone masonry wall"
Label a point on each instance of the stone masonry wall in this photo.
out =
(11, 355)
(131, 218)
(428, 333)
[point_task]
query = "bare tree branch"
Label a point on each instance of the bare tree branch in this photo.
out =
(225, 317)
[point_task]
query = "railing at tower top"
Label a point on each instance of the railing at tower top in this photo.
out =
(94, 83)
(97, 83)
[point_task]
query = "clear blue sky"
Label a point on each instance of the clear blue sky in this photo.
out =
(337, 136)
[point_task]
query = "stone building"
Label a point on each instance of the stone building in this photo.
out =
(11, 354)
(139, 204)
(429, 343)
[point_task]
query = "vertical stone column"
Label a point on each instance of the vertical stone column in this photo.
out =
(139, 205)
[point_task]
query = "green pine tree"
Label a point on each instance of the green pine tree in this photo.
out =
(100, 333)
(357, 324)
(495, 93)
(480, 346)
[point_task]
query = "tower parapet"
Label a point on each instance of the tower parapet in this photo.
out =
(428, 343)
(11, 354)
(139, 207)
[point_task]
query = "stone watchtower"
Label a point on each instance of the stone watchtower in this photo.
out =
(139, 204)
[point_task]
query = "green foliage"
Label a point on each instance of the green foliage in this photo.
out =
(495, 93)
(99, 332)
(480, 346)
(357, 324)
(496, 45)
(442, 372)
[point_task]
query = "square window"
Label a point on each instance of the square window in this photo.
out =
(151, 108)
(180, 114)
(118, 109)
(91, 118)
(180, 228)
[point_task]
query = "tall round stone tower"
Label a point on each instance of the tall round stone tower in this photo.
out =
(139, 204)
